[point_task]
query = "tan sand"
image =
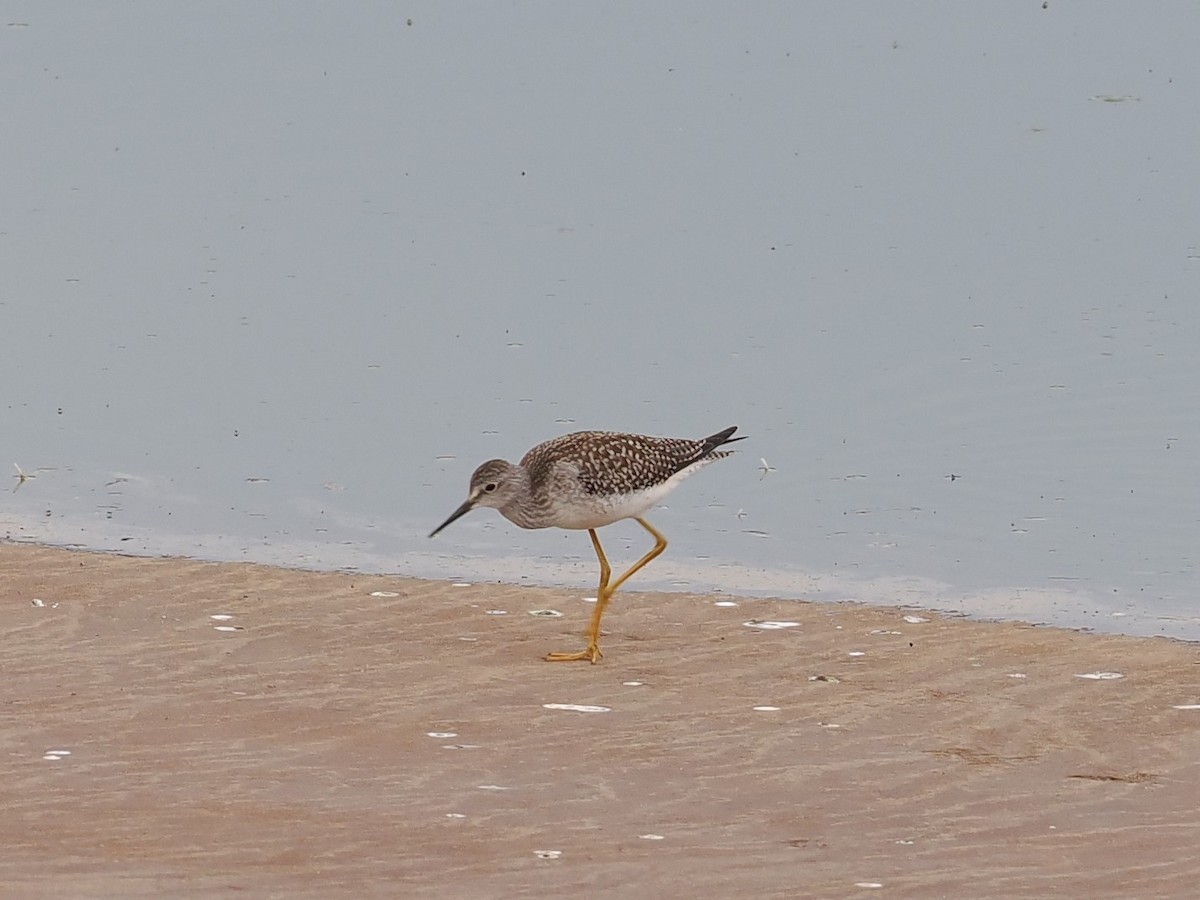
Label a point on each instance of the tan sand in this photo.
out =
(299, 756)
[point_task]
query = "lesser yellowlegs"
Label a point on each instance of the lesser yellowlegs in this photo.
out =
(590, 479)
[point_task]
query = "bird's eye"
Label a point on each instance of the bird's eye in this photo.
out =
(489, 487)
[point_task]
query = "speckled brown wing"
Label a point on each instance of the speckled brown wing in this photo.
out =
(626, 463)
(615, 463)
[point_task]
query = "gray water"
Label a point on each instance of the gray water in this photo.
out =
(277, 277)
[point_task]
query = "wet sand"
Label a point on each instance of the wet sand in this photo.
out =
(337, 743)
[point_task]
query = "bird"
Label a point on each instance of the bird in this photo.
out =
(586, 480)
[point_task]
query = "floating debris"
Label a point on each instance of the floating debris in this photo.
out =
(1101, 676)
(915, 620)
(442, 735)
(547, 854)
(651, 837)
(221, 617)
(857, 653)
(831, 679)
(55, 754)
(493, 787)
(228, 628)
(22, 476)
(546, 613)
(38, 601)
(1016, 675)
(633, 683)
(766, 709)
(724, 603)
(769, 625)
(1187, 706)
(384, 594)
(461, 584)
(497, 612)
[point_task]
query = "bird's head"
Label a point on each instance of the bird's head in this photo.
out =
(493, 484)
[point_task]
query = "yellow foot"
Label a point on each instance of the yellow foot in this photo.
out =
(592, 654)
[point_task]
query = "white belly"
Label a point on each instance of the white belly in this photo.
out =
(599, 511)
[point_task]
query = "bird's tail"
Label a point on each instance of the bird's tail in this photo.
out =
(713, 441)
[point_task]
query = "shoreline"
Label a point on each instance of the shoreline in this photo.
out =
(1043, 608)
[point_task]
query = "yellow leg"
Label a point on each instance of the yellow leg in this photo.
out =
(605, 569)
(592, 654)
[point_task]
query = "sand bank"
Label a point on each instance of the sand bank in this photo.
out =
(363, 736)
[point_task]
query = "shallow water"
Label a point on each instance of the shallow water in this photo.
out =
(275, 286)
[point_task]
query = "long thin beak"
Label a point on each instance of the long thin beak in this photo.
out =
(468, 505)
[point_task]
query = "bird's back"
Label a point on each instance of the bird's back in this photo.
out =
(610, 463)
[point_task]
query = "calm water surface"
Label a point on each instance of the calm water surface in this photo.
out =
(278, 279)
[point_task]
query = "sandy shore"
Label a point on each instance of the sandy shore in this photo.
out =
(363, 736)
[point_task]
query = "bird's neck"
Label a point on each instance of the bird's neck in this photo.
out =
(524, 509)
